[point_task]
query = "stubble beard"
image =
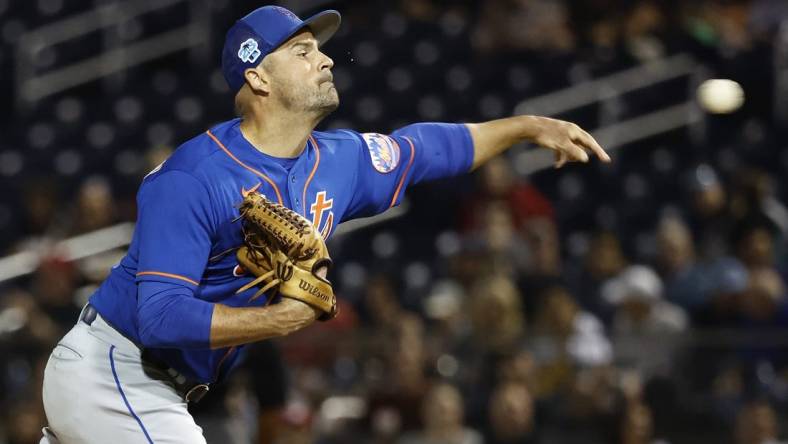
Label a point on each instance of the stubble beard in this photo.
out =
(320, 101)
(323, 101)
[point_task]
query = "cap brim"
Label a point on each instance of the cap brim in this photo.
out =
(323, 25)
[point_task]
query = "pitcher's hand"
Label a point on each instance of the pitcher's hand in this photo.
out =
(569, 142)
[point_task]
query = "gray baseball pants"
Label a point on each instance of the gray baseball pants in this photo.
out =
(97, 389)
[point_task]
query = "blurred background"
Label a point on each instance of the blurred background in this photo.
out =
(638, 302)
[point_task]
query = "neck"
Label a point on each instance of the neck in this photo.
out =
(278, 134)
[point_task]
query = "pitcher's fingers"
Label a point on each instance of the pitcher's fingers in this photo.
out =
(590, 143)
(560, 159)
(575, 152)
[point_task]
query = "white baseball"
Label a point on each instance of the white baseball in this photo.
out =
(720, 96)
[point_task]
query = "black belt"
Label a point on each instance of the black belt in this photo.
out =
(88, 314)
(190, 391)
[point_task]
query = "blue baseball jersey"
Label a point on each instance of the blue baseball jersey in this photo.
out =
(181, 260)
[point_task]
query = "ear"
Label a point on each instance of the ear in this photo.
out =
(258, 80)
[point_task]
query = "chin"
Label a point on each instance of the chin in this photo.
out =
(328, 104)
(334, 102)
(333, 98)
(328, 109)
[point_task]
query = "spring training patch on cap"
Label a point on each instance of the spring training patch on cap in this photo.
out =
(383, 150)
(248, 51)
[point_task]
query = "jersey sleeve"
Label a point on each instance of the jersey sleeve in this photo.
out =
(388, 164)
(173, 228)
(173, 236)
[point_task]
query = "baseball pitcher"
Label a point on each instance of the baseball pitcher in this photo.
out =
(229, 246)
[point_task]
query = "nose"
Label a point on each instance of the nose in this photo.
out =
(326, 63)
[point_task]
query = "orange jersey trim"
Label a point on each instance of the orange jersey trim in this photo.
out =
(169, 275)
(266, 178)
(312, 174)
(405, 174)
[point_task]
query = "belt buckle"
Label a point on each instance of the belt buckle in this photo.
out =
(196, 393)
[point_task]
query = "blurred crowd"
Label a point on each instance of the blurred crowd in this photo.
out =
(639, 303)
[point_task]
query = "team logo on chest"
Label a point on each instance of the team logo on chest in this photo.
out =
(383, 150)
(320, 207)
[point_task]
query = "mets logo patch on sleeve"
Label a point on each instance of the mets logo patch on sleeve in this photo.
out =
(383, 150)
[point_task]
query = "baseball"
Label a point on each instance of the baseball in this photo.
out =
(720, 96)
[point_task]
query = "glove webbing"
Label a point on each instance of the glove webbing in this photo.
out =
(275, 282)
(298, 227)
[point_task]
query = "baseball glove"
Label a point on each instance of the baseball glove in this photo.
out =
(284, 251)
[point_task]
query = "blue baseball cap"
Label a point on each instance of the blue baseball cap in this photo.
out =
(260, 32)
